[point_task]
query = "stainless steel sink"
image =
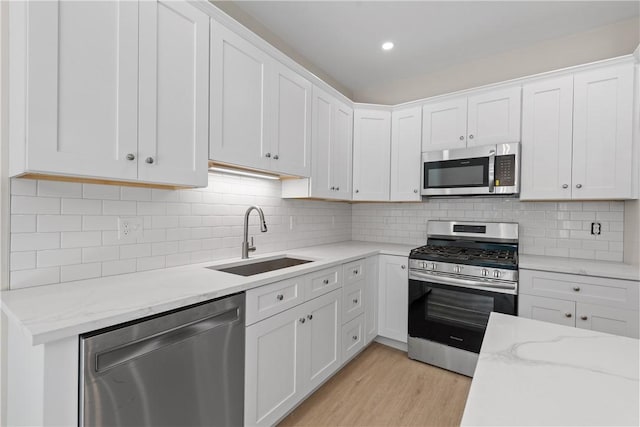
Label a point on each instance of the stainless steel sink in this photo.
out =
(257, 267)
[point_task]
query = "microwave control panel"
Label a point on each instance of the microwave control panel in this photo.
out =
(505, 170)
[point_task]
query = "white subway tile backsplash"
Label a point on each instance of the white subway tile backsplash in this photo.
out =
(135, 193)
(23, 223)
(69, 273)
(81, 207)
(150, 263)
(34, 241)
(152, 208)
(24, 187)
(59, 223)
(34, 205)
(36, 277)
(100, 192)
(124, 266)
(99, 223)
(59, 189)
(103, 253)
(56, 257)
(135, 251)
(22, 260)
(119, 207)
(81, 239)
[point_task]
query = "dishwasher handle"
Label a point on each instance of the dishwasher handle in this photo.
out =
(108, 359)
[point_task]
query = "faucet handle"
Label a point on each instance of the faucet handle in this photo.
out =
(251, 248)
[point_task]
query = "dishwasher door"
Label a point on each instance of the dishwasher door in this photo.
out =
(183, 368)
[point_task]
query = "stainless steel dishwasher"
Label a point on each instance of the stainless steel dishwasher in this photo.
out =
(182, 368)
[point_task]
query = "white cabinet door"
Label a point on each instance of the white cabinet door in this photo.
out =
(607, 319)
(406, 133)
(274, 355)
(82, 85)
(371, 299)
(547, 135)
(549, 310)
(393, 297)
(239, 100)
(291, 147)
(602, 133)
(340, 165)
(444, 124)
(353, 338)
(494, 117)
(322, 136)
(174, 85)
(322, 332)
(371, 153)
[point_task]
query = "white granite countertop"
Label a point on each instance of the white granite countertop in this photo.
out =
(538, 373)
(587, 267)
(52, 312)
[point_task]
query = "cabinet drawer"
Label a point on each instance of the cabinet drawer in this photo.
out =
(550, 310)
(353, 271)
(586, 289)
(607, 319)
(352, 338)
(352, 301)
(323, 281)
(271, 299)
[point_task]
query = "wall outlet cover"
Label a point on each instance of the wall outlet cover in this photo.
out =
(130, 228)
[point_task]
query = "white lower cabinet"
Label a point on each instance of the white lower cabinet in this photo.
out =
(371, 299)
(596, 303)
(393, 297)
(288, 355)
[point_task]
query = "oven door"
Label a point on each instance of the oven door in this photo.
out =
(452, 315)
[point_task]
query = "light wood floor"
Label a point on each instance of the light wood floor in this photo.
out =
(382, 387)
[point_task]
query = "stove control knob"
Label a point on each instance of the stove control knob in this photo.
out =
(496, 274)
(458, 269)
(485, 272)
(434, 266)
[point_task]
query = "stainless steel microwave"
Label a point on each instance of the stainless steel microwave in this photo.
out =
(485, 170)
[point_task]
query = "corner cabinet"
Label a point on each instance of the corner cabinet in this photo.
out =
(577, 135)
(260, 109)
(110, 90)
(393, 297)
(371, 154)
(406, 164)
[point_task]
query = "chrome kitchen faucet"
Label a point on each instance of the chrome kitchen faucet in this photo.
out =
(246, 247)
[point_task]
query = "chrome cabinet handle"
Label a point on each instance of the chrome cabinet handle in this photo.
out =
(583, 317)
(149, 160)
(578, 185)
(309, 316)
(565, 185)
(279, 297)
(131, 156)
(403, 266)
(576, 288)
(267, 155)
(302, 320)
(461, 137)
(355, 338)
(325, 281)
(567, 315)
(276, 157)
(471, 136)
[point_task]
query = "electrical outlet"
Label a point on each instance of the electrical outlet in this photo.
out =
(130, 228)
(595, 228)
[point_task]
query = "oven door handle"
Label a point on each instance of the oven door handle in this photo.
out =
(492, 286)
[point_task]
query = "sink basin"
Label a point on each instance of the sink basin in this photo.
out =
(258, 267)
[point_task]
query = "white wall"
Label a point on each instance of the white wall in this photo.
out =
(546, 228)
(606, 42)
(64, 231)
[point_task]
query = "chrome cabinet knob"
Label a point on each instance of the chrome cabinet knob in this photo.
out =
(470, 136)
(309, 316)
(415, 191)
(276, 157)
(333, 188)
(583, 317)
(355, 300)
(337, 188)
(279, 297)
(496, 274)
(355, 337)
(485, 272)
(434, 266)
(576, 288)
(325, 281)
(267, 155)
(461, 137)
(565, 186)
(131, 156)
(403, 266)
(567, 315)
(302, 320)
(357, 191)
(578, 185)
(355, 272)
(149, 160)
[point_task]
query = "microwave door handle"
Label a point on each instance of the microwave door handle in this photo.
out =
(492, 170)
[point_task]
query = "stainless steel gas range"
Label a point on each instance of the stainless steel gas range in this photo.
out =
(464, 272)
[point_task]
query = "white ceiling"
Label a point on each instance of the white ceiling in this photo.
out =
(343, 38)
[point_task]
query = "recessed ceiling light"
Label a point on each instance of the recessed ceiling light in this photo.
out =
(387, 46)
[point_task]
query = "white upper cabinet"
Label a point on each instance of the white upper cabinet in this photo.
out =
(577, 136)
(113, 90)
(547, 111)
(602, 133)
(494, 117)
(260, 109)
(444, 124)
(371, 154)
(481, 118)
(341, 150)
(406, 132)
(174, 83)
(291, 143)
(239, 100)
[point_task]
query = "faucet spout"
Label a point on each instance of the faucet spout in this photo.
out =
(246, 247)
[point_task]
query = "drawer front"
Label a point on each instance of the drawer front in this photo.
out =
(549, 310)
(268, 300)
(352, 338)
(354, 271)
(323, 281)
(607, 319)
(586, 289)
(352, 301)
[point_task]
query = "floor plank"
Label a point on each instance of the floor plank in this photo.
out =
(382, 387)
